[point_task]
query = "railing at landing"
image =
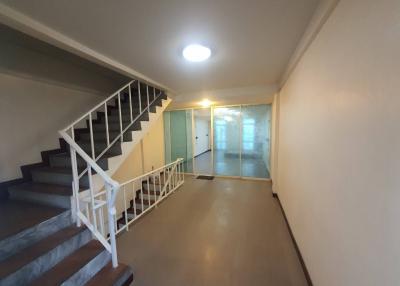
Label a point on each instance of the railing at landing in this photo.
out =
(90, 210)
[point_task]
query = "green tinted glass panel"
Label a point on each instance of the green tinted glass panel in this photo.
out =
(255, 137)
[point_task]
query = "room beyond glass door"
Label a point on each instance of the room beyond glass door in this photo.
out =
(202, 145)
(226, 143)
(255, 141)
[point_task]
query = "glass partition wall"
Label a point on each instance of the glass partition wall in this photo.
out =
(223, 141)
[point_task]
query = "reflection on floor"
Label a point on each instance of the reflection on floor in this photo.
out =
(219, 232)
(228, 165)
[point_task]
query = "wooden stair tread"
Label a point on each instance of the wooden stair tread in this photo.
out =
(70, 265)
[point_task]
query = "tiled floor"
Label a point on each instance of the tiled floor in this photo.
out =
(219, 232)
(228, 165)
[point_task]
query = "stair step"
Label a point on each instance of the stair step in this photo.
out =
(100, 146)
(48, 194)
(23, 224)
(77, 268)
(63, 160)
(38, 258)
(115, 127)
(57, 176)
(101, 135)
(122, 275)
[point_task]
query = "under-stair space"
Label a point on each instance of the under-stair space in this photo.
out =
(40, 243)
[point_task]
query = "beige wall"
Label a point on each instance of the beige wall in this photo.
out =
(146, 156)
(31, 113)
(339, 153)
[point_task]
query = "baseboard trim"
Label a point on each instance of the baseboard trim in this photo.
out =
(303, 265)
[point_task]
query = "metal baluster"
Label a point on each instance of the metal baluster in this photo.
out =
(101, 214)
(75, 182)
(154, 187)
(125, 210)
(106, 119)
(141, 194)
(148, 190)
(91, 136)
(111, 225)
(134, 199)
(140, 98)
(92, 200)
(130, 102)
(148, 104)
(120, 115)
(159, 185)
(165, 174)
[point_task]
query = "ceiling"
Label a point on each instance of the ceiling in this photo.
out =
(252, 41)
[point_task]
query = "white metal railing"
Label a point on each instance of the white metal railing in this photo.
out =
(120, 204)
(90, 209)
(149, 190)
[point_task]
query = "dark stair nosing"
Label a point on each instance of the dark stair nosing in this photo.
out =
(120, 276)
(77, 268)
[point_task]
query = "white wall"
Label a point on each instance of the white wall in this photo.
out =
(339, 147)
(31, 113)
(202, 129)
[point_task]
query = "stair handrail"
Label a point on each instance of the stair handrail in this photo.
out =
(83, 116)
(112, 187)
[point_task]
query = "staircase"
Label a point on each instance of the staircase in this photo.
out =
(40, 242)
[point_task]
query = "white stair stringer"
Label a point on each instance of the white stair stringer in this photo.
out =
(127, 147)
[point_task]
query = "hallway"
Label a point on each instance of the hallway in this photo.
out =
(220, 232)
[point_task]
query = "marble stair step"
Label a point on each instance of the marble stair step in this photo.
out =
(77, 268)
(47, 194)
(23, 224)
(31, 262)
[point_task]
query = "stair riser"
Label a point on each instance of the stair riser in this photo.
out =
(42, 198)
(43, 263)
(58, 179)
(153, 188)
(114, 150)
(65, 162)
(89, 270)
(114, 127)
(29, 236)
(103, 137)
(147, 197)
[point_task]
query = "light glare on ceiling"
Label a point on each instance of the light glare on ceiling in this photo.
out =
(205, 103)
(196, 53)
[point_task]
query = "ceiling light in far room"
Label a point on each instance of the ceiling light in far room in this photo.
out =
(196, 53)
(205, 103)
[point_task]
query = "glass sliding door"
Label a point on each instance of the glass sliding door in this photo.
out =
(226, 123)
(225, 141)
(179, 137)
(202, 153)
(255, 141)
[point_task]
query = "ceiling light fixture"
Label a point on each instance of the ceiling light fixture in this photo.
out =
(205, 103)
(196, 53)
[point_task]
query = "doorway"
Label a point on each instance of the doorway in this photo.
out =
(202, 157)
(229, 141)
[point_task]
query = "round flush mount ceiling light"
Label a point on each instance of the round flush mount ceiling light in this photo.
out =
(196, 53)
